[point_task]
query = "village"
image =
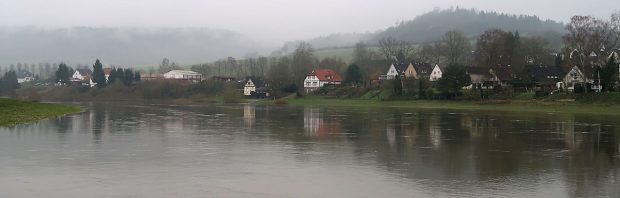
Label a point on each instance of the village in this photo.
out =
(543, 79)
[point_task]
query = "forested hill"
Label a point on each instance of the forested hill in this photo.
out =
(432, 25)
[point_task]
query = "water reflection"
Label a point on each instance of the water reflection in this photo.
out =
(421, 152)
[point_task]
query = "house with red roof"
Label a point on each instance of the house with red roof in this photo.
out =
(319, 78)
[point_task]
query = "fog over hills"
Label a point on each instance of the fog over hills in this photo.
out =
(122, 46)
(132, 46)
(432, 25)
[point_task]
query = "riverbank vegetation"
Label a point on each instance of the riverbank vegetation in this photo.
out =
(552, 106)
(18, 111)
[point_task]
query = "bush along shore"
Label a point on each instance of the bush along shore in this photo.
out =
(17, 111)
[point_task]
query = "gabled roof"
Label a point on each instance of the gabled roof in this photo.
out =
(484, 71)
(24, 74)
(84, 72)
(545, 73)
(326, 75)
(503, 72)
(184, 72)
(438, 66)
(423, 68)
(107, 70)
(400, 68)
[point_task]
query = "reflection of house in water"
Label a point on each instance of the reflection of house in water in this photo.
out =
(434, 134)
(480, 127)
(317, 126)
(390, 133)
(249, 113)
(312, 120)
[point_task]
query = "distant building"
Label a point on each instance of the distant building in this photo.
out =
(151, 76)
(411, 70)
(576, 77)
(223, 78)
(106, 72)
(82, 77)
(319, 78)
(249, 88)
(255, 89)
(25, 76)
(545, 78)
(436, 73)
(396, 70)
(183, 75)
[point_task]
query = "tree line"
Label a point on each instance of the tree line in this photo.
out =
(126, 76)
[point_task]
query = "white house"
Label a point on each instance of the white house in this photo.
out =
(249, 88)
(81, 74)
(573, 77)
(183, 75)
(319, 78)
(24, 76)
(393, 71)
(436, 73)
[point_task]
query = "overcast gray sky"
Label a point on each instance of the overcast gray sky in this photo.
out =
(276, 20)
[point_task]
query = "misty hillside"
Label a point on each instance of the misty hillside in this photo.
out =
(432, 25)
(329, 41)
(120, 46)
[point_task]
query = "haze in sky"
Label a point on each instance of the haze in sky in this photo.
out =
(273, 20)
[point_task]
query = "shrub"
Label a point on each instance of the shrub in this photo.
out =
(231, 94)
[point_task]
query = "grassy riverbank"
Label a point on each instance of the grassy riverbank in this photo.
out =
(507, 105)
(17, 111)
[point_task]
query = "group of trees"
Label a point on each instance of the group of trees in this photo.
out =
(589, 42)
(41, 70)
(124, 76)
(8, 82)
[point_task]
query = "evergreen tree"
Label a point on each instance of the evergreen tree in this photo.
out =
(137, 77)
(453, 79)
(63, 74)
(98, 75)
(353, 74)
(398, 86)
(608, 74)
(128, 77)
(113, 76)
(9, 82)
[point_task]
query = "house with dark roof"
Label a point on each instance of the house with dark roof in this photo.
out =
(410, 70)
(82, 76)
(423, 70)
(255, 88)
(480, 77)
(577, 76)
(544, 77)
(396, 69)
(501, 75)
(319, 78)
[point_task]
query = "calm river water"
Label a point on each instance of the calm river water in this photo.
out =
(129, 150)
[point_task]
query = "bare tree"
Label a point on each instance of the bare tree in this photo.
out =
(389, 48)
(303, 61)
(587, 34)
(361, 53)
(456, 46)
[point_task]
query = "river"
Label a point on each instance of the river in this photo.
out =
(154, 150)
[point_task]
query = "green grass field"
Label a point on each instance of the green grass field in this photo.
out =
(17, 111)
(516, 106)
